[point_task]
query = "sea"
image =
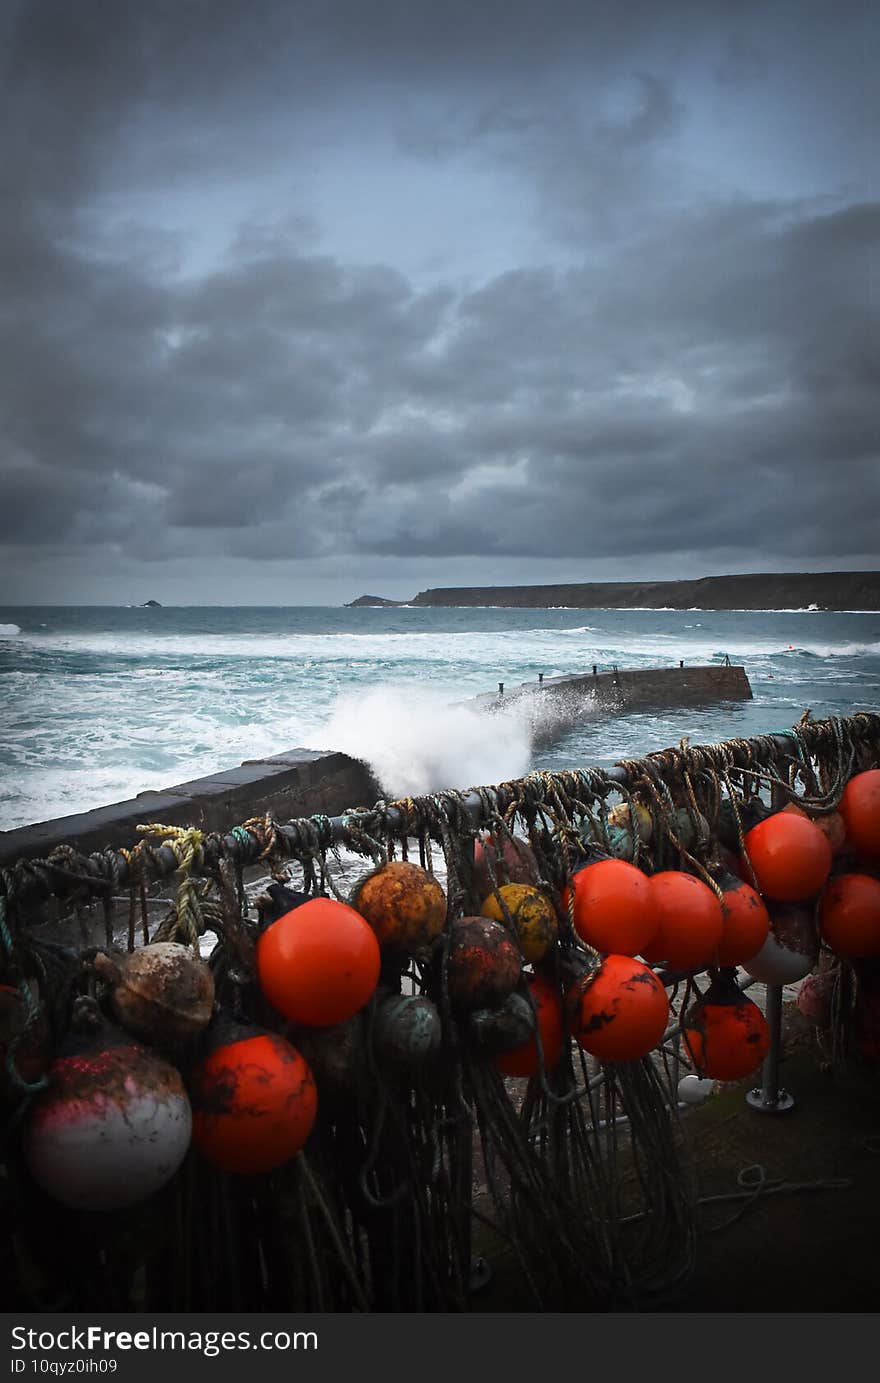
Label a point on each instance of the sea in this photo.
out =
(99, 703)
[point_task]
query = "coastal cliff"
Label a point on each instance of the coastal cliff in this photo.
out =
(824, 590)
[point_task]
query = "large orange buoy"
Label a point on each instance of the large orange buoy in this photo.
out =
(319, 963)
(622, 1012)
(725, 1033)
(860, 809)
(523, 1060)
(254, 1101)
(532, 914)
(403, 904)
(745, 922)
(849, 915)
(613, 907)
(790, 856)
(689, 921)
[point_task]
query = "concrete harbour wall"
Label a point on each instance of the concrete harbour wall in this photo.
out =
(300, 782)
(643, 687)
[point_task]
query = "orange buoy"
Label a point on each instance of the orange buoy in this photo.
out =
(532, 914)
(254, 1102)
(523, 1060)
(613, 907)
(725, 1033)
(319, 963)
(622, 1011)
(689, 921)
(860, 809)
(849, 915)
(790, 856)
(745, 922)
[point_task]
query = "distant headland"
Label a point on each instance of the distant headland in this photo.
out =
(797, 590)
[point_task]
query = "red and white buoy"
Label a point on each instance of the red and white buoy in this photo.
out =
(114, 1124)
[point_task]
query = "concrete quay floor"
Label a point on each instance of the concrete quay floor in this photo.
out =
(809, 1246)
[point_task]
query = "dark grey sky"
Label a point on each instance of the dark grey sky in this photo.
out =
(306, 299)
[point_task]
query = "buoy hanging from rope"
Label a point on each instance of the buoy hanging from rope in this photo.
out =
(790, 857)
(689, 921)
(404, 905)
(725, 1033)
(622, 1010)
(115, 1123)
(613, 908)
(254, 1100)
(319, 963)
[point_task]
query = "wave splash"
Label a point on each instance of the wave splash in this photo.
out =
(415, 742)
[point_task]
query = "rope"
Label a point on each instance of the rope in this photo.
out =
(185, 844)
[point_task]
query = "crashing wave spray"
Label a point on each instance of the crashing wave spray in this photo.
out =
(419, 743)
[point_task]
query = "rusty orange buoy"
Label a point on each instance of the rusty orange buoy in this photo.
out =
(725, 1033)
(483, 963)
(622, 1012)
(403, 904)
(254, 1101)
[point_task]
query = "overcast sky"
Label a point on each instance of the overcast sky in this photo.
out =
(306, 298)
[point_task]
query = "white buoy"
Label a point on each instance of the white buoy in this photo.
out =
(694, 1089)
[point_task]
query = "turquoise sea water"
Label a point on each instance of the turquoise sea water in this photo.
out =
(98, 703)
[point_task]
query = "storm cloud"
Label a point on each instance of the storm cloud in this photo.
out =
(438, 293)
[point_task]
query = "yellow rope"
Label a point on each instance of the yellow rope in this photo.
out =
(183, 842)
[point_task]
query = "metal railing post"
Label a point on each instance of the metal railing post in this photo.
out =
(771, 1099)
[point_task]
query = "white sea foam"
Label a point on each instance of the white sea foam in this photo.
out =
(9, 631)
(485, 651)
(415, 742)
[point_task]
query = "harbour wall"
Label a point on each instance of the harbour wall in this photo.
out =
(642, 687)
(304, 782)
(300, 782)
